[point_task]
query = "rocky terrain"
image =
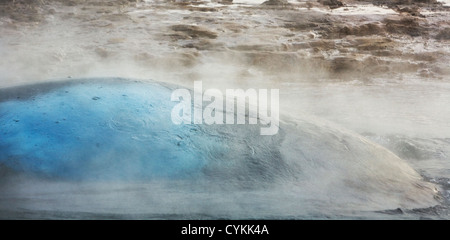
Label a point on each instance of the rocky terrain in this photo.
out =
(269, 41)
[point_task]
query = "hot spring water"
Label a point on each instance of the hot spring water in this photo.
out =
(108, 146)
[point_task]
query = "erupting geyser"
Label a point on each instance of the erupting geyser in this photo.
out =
(116, 130)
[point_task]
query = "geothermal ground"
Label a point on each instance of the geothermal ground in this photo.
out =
(379, 69)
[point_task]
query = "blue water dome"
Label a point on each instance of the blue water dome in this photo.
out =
(99, 129)
(95, 132)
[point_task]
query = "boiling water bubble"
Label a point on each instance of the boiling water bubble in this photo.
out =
(97, 131)
(121, 130)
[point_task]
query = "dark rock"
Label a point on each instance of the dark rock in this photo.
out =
(332, 4)
(374, 44)
(413, 11)
(444, 34)
(361, 30)
(203, 9)
(194, 31)
(226, 1)
(407, 26)
(393, 211)
(276, 3)
(301, 26)
(344, 65)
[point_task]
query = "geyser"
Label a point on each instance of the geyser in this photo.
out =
(119, 130)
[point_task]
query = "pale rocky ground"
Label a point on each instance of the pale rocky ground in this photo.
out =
(245, 41)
